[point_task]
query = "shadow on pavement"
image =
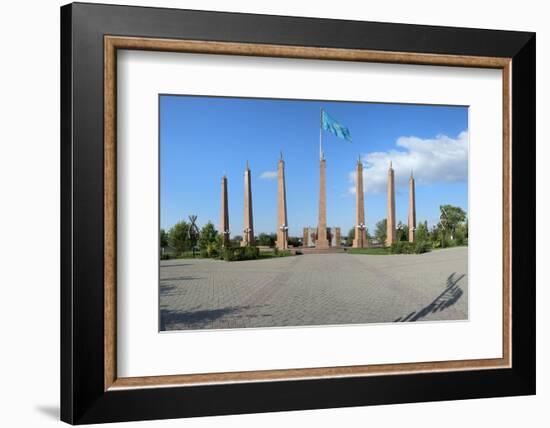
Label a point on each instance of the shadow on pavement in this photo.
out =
(199, 318)
(447, 298)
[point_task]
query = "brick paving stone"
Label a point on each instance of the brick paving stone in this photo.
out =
(314, 289)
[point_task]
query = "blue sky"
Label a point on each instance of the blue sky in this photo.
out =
(201, 138)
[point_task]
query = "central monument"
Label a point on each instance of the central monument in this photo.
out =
(360, 240)
(248, 231)
(322, 239)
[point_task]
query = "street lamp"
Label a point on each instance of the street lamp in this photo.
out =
(247, 234)
(361, 227)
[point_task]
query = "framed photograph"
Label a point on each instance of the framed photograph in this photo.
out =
(266, 213)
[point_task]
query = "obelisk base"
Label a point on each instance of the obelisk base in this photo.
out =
(361, 240)
(322, 241)
(248, 239)
(282, 240)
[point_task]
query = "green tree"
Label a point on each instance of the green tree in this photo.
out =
(350, 237)
(450, 217)
(235, 241)
(267, 239)
(421, 234)
(380, 231)
(461, 234)
(402, 232)
(178, 237)
(435, 233)
(294, 241)
(163, 238)
(208, 235)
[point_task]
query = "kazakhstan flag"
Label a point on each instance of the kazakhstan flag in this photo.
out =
(331, 125)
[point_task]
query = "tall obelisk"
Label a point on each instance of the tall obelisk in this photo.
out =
(248, 230)
(360, 240)
(412, 209)
(282, 221)
(390, 228)
(224, 214)
(322, 239)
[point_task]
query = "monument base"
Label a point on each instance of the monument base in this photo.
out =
(322, 240)
(313, 250)
(322, 244)
(282, 241)
(361, 241)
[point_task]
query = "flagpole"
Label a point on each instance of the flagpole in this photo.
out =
(321, 134)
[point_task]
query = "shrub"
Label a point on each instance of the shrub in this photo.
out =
(227, 255)
(280, 253)
(446, 242)
(232, 254)
(459, 240)
(398, 247)
(420, 247)
(213, 249)
(165, 256)
(284, 253)
(250, 253)
(405, 247)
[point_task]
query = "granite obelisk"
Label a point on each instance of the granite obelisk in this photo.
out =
(360, 240)
(322, 239)
(412, 209)
(224, 214)
(248, 230)
(390, 227)
(282, 220)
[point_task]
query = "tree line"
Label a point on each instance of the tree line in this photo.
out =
(208, 241)
(451, 230)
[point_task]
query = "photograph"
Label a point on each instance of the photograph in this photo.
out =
(297, 212)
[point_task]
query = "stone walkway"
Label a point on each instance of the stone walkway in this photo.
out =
(314, 289)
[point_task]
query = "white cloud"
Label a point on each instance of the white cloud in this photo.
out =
(269, 175)
(441, 159)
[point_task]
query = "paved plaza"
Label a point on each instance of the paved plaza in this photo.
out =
(314, 289)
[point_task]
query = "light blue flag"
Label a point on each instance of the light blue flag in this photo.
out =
(331, 125)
